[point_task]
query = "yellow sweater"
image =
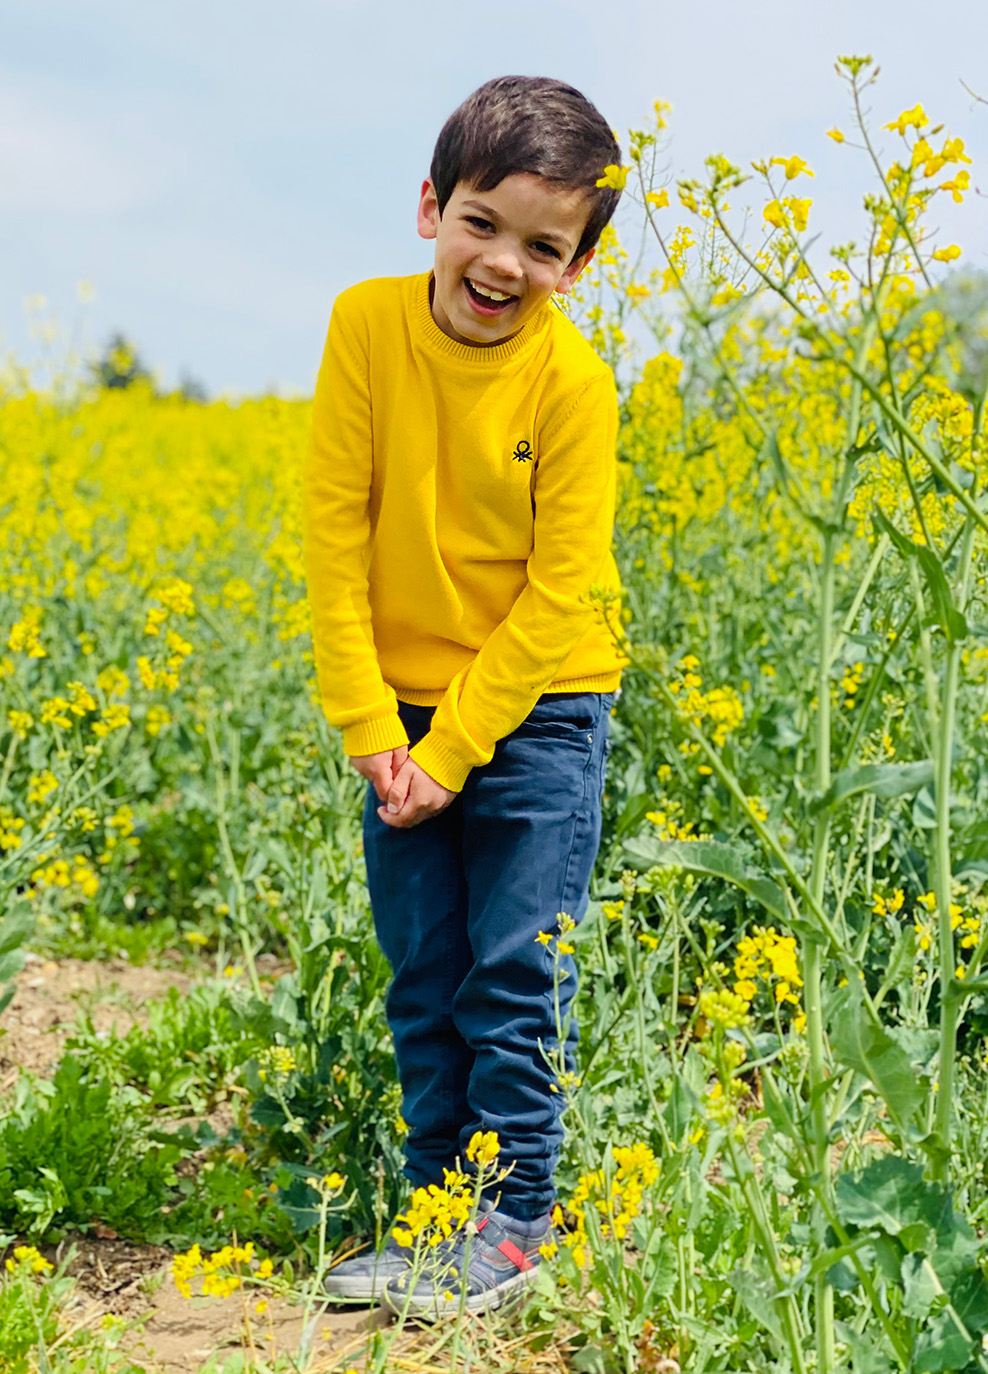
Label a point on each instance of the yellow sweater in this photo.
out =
(458, 507)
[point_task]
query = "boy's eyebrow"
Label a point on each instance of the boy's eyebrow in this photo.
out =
(549, 235)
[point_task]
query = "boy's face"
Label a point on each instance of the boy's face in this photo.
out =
(501, 254)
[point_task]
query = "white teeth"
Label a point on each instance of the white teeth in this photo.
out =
(491, 295)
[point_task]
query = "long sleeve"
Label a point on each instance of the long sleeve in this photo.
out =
(336, 541)
(573, 523)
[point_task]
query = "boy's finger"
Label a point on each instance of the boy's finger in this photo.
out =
(403, 820)
(412, 813)
(398, 791)
(398, 757)
(382, 781)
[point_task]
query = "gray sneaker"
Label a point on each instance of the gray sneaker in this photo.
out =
(364, 1277)
(504, 1259)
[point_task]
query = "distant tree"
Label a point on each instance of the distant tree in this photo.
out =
(120, 364)
(191, 389)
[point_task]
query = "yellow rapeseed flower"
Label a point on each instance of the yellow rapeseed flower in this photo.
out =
(800, 212)
(53, 712)
(30, 1258)
(484, 1147)
(20, 722)
(915, 118)
(40, 786)
(793, 166)
(614, 176)
(958, 185)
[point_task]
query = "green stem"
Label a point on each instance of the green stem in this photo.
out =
(785, 1303)
(646, 1050)
(8, 763)
(812, 964)
(233, 868)
(881, 548)
(781, 1108)
(950, 997)
(314, 1286)
(951, 993)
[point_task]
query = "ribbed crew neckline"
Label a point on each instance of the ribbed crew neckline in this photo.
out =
(477, 356)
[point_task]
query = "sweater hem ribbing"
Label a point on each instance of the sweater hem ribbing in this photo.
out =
(593, 682)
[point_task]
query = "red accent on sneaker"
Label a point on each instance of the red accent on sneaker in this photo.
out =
(517, 1257)
(481, 1224)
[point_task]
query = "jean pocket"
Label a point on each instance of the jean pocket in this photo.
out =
(573, 717)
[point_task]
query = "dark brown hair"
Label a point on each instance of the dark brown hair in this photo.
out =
(529, 124)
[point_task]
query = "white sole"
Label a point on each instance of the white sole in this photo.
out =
(437, 1306)
(354, 1289)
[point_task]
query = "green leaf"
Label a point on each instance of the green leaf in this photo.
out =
(920, 1286)
(865, 1357)
(941, 1346)
(710, 859)
(944, 612)
(880, 779)
(924, 813)
(15, 929)
(758, 1295)
(679, 1111)
(770, 449)
(592, 1359)
(968, 1294)
(859, 1044)
(659, 1265)
(892, 1194)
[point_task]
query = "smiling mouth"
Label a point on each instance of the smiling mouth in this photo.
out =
(486, 300)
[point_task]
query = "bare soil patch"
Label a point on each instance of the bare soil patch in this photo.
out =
(50, 994)
(180, 1334)
(170, 1334)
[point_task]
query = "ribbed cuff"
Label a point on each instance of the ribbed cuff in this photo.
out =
(591, 682)
(441, 764)
(374, 736)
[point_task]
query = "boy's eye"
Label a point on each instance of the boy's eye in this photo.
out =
(546, 248)
(479, 223)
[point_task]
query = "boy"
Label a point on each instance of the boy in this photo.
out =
(459, 504)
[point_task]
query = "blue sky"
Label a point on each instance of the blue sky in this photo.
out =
(219, 170)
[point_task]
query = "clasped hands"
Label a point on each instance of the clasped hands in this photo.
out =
(408, 794)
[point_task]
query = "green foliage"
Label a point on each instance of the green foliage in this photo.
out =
(925, 1257)
(712, 860)
(325, 1095)
(189, 1054)
(75, 1151)
(37, 1333)
(15, 928)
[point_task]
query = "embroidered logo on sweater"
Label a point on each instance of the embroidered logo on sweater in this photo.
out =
(523, 452)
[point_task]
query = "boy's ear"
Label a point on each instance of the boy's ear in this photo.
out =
(568, 280)
(428, 216)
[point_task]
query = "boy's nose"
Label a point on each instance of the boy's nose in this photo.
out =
(505, 264)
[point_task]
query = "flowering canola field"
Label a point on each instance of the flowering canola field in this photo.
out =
(776, 1132)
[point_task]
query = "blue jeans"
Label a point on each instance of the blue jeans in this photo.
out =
(458, 904)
